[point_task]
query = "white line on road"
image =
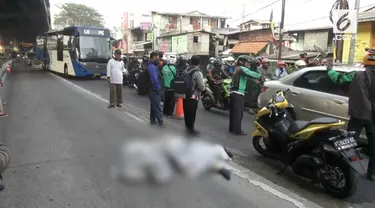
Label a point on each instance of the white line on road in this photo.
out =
(236, 171)
(95, 95)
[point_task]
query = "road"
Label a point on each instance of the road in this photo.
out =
(62, 138)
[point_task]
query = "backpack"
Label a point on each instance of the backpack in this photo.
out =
(183, 83)
(174, 75)
(144, 82)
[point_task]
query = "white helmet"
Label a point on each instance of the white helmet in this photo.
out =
(230, 59)
(300, 64)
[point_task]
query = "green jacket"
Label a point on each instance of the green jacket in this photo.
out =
(341, 78)
(168, 72)
(240, 79)
(355, 86)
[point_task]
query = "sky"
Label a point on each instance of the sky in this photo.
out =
(298, 13)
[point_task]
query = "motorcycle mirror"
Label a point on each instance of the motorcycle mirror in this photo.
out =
(321, 51)
(288, 90)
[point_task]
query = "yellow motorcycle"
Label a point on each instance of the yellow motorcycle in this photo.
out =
(317, 150)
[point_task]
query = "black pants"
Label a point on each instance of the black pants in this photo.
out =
(169, 102)
(190, 111)
(357, 125)
(236, 112)
(216, 90)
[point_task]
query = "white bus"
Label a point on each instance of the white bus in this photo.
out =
(78, 51)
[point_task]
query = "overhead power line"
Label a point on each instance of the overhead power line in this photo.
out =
(260, 9)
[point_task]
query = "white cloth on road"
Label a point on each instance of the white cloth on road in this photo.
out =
(162, 160)
(116, 70)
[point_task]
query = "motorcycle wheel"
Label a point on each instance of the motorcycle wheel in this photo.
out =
(205, 100)
(263, 150)
(340, 170)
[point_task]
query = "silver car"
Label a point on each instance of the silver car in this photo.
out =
(312, 93)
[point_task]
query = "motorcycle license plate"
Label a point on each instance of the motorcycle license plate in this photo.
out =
(344, 144)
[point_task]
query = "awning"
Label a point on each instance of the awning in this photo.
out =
(232, 41)
(144, 43)
(226, 52)
(248, 47)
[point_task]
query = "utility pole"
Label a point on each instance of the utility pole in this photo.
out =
(281, 29)
(353, 41)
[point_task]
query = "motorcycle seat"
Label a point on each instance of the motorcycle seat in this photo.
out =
(303, 124)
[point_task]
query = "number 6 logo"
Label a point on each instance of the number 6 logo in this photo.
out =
(343, 19)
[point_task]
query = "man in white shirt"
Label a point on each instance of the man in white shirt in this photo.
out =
(115, 72)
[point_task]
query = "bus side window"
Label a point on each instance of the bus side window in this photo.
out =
(60, 48)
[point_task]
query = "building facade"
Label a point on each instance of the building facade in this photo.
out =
(254, 25)
(188, 43)
(181, 25)
(305, 39)
(365, 36)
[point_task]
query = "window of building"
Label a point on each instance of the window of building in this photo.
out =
(191, 20)
(195, 39)
(222, 23)
(319, 81)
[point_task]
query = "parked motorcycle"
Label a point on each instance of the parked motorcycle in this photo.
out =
(316, 150)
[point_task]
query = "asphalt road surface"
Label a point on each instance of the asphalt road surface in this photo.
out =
(62, 138)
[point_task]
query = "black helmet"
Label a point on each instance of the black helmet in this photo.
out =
(218, 63)
(245, 58)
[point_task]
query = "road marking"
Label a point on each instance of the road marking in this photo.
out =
(236, 171)
(96, 96)
(266, 187)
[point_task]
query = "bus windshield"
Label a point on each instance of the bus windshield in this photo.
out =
(94, 49)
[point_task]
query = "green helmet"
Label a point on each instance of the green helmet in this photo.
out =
(245, 58)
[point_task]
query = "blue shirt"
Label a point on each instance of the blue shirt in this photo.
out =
(153, 72)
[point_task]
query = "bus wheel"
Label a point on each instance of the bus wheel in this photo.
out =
(65, 70)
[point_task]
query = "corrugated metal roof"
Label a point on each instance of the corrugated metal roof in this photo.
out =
(249, 47)
(368, 16)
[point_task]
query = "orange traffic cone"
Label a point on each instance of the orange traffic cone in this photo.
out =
(8, 68)
(179, 109)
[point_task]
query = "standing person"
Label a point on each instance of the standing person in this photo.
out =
(2, 114)
(281, 70)
(115, 72)
(245, 67)
(169, 72)
(162, 62)
(155, 91)
(4, 161)
(361, 107)
(190, 103)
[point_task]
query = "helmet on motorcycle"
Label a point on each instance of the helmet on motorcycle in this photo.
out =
(300, 64)
(230, 61)
(281, 64)
(218, 63)
(241, 60)
(211, 60)
(369, 58)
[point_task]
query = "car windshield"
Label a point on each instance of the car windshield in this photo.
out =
(94, 48)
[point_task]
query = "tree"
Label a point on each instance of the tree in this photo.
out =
(77, 15)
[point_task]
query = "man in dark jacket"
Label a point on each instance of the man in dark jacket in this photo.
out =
(4, 161)
(155, 91)
(190, 104)
(361, 102)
